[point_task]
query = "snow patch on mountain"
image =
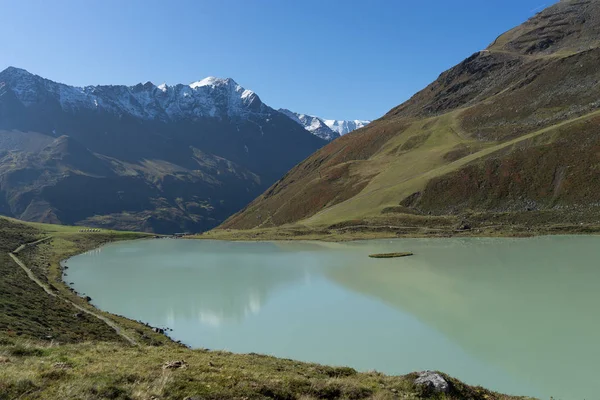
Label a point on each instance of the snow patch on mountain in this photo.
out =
(313, 124)
(328, 129)
(343, 127)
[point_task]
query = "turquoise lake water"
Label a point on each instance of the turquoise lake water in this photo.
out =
(519, 316)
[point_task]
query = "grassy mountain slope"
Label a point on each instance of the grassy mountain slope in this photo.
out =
(510, 133)
(26, 310)
(51, 350)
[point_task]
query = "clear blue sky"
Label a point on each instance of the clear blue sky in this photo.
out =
(338, 59)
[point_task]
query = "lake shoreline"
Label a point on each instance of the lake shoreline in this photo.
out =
(294, 233)
(30, 357)
(448, 273)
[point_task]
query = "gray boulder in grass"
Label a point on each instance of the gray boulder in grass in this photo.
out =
(432, 381)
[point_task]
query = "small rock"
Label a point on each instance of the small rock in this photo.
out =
(175, 364)
(4, 360)
(464, 226)
(87, 298)
(158, 330)
(78, 315)
(433, 382)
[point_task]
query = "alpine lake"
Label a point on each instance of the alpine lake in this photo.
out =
(519, 316)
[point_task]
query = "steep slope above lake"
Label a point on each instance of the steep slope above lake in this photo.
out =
(508, 136)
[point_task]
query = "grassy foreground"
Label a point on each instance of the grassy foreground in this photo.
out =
(51, 350)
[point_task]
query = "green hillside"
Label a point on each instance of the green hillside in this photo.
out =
(509, 138)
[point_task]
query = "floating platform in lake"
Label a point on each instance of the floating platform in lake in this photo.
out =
(390, 255)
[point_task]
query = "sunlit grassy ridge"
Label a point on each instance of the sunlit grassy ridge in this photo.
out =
(504, 137)
(49, 350)
(427, 163)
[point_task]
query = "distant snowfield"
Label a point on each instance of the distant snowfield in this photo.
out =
(342, 127)
(328, 129)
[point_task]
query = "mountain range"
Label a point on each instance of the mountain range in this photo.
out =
(509, 137)
(343, 127)
(144, 157)
(327, 129)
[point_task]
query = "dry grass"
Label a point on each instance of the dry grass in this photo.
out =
(113, 371)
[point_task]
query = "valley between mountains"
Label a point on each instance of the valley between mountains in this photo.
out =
(506, 142)
(151, 158)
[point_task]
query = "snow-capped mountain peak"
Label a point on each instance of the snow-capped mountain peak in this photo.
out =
(213, 81)
(328, 129)
(209, 97)
(343, 127)
(313, 124)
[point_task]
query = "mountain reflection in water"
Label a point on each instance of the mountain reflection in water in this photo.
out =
(517, 315)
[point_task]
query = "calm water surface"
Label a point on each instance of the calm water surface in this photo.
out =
(520, 316)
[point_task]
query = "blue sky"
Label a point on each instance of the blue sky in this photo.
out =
(338, 59)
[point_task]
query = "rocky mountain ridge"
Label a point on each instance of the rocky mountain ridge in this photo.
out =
(143, 157)
(313, 124)
(209, 97)
(328, 129)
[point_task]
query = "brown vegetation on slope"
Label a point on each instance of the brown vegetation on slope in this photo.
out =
(328, 177)
(547, 92)
(511, 128)
(563, 173)
(569, 26)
